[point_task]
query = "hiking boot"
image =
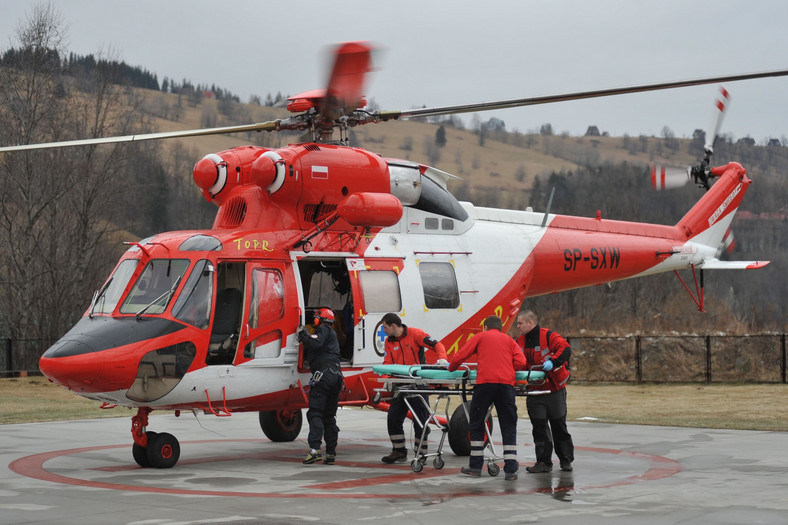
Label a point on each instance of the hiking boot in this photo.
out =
(396, 456)
(312, 457)
(473, 472)
(511, 476)
(539, 467)
(566, 466)
(330, 459)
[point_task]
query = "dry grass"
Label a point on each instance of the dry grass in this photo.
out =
(32, 399)
(745, 407)
(728, 406)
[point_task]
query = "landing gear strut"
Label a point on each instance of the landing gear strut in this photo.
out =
(152, 449)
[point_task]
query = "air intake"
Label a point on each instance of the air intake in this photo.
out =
(232, 213)
(314, 212)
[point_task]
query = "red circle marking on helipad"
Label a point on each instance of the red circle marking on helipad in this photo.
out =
(33, 467)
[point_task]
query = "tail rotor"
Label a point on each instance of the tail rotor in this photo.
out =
(668, 177)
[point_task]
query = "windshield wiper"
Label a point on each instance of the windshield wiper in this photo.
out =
(166, 295)
(97, 295)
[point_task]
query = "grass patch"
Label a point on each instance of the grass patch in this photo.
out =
(32, 399)
(725, 406)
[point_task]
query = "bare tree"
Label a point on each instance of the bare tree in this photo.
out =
(57, 206)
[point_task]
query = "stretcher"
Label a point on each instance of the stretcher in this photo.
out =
(413, 382)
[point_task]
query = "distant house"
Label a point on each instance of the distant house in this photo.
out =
(774, 142)
(746, 141)
(592, 131)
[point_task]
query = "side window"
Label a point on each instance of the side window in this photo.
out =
(439, 284)
(381, 291)
(267, 303)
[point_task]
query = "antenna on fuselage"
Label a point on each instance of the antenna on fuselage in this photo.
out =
(549, 203)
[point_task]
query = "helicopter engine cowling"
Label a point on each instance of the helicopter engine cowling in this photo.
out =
(210, 175)
(405, 182)
(371, 209)
(268, 171)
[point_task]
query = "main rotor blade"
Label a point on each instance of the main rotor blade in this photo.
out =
(272, 125)
(352, 62)
(534, 101)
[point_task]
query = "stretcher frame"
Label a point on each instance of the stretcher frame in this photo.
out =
(412, 381)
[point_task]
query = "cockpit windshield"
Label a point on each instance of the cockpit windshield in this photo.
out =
(193, 306)
(107, 298)
(150, 292)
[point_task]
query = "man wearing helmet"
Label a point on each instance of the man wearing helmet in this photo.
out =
(406, 346)
(322, 353)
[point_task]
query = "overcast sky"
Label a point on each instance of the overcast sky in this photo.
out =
(441, 52)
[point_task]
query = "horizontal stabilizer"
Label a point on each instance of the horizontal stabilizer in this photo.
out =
(716, 264)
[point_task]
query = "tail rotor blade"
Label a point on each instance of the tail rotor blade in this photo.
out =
(721, 104)
(668, 177)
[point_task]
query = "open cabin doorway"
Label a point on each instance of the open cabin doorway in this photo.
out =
(326, 284)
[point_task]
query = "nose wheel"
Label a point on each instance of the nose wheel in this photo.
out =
(152, 449)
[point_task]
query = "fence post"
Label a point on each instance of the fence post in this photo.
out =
(638, 361)
(9, 355)
(782, 358)
(708, 359)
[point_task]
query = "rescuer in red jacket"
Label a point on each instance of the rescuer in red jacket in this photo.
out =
(547, 412)
(407, 346)
(498, 357)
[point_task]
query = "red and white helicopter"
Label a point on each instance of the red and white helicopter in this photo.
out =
(206, 320)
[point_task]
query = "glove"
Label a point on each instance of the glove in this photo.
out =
(442, 362)
(547, 365)
(302, 335)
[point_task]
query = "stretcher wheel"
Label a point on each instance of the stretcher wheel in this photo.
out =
(416, 465)
(493, 469)
(438, 463)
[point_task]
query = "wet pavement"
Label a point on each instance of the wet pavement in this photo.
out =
(83, 472)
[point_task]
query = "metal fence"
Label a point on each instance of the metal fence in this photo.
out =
(759, 358)
(20, 356)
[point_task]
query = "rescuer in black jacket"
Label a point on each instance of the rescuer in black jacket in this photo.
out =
(322, 352)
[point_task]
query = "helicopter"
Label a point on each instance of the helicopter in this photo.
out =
(206, 320)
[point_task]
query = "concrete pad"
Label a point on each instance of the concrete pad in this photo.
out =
(83, 472)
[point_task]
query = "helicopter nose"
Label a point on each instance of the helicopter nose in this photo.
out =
(74, 365)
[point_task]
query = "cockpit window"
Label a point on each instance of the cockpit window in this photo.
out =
(108, 296)
(193, 306)
(152, 291)
(201, 243)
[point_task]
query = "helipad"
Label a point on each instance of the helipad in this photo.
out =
(83, 472)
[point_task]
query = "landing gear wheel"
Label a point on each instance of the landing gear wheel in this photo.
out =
(416, 465)
(141, 453)
(163, 451)
(459, 439)
(438, 463)
(493, 469)
(281, 425)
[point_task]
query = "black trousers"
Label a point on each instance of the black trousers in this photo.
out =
(322, 413)
(502, 396)
(395, 420)
(548, 418)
